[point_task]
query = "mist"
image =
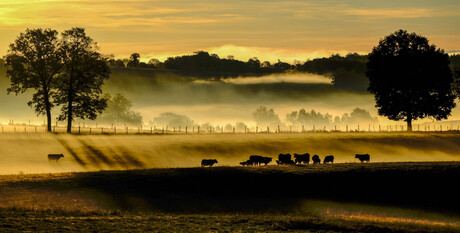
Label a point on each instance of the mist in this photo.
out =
(217, 101)
(27, 153)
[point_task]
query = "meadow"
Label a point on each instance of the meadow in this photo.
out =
(154, 183)
(347, 197)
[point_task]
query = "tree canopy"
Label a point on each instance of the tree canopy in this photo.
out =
(33, 62)
(410, 78)
(79, 85)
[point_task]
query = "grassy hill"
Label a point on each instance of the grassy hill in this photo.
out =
(380, 197)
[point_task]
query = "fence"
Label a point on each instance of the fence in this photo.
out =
(23, 128)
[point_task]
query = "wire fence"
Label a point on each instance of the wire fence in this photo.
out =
(115, 130)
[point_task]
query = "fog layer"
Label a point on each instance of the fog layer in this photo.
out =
(27, 153)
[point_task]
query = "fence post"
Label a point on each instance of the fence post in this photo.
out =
(244, 129)
(303, 128)
(440, 128)
(89, 130)
(78, 129)
(314, 130)
(102, 130)
(257, 129)
(347, 128)
(186, 129)
(268, 130)
(198, 129)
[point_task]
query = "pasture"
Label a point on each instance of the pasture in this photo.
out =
(155, 183)
(27, 153)
(377, 197)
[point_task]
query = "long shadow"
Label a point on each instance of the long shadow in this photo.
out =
(95, 155)
(72, 152)
(124, 160)
(130, 159)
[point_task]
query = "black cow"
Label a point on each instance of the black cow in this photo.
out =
(284, 159)
(305, 158)
(266, 160)
(208, 162)
(363, 157)
(316, 159)
(55, 157)
(329, 159)
(247, 163)
(256, 159)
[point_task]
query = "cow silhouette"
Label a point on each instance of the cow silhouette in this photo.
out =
(329, 159)
(284, 159)
(316, 159)
(208, 162)
(363, 157)
(302, 158)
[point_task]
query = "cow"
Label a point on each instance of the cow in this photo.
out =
(363, 157)
(256, 159)
(55, 157)
(247, 163)
(329, 159)
(208, 162)
(316, 159)
(284, 159)
(305, 158)
(266, 160)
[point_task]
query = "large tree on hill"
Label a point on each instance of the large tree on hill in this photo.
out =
(410, 78)
(33, 63)
(85, 70)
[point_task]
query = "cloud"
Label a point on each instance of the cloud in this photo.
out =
(392, 13)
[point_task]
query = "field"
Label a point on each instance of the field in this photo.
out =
(26, 153)
(378, 197)
(153, 183)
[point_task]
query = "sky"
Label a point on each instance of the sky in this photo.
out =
(267, 29)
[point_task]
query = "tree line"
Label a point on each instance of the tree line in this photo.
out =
(410, 78)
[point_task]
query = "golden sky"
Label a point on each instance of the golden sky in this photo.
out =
(266, 29)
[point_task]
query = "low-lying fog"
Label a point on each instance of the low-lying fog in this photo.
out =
(27, 153)
(216, 101)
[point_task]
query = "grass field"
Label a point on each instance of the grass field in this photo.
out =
(346, 197)
(26, 153)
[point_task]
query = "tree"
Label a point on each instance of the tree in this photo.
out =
(266, 117)
(119, 111)
(134, 60)
(79, 86)
(410, 78)
(33, 63)
(172, 119)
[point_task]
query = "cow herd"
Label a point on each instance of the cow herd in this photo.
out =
(286, 159)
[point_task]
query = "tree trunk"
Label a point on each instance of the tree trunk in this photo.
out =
(409, 122)
(48, 111)
(69, 109)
